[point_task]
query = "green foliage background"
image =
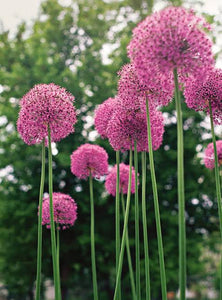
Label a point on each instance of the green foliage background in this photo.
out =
(64, 45)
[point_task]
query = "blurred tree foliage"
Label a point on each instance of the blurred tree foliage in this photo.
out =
(81, 47)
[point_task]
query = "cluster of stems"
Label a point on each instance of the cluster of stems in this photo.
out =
(156, 207)
(125, 231)
(135, 285)
(136, 288)
(54, 242)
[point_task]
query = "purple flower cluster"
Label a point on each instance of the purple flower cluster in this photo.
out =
(169, 39)
(89, 160)
(209, 160)
(123, 119)
(199, 94)
(65, 210)
(46, 105)
(110, 183)
(103, 114)
(134, 93)
(125, 127)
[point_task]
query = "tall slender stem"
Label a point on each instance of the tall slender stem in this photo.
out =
(93, 256)
(39, 247)
(117, 222)
(218, 188)
(220, 173)
(125, 226)
(156, 208)
(145, 233)
(52, 223)
(132, 281)
(181, 196)
(58, 259)
(137, 235)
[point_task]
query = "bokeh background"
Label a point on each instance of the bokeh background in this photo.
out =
(81, 45)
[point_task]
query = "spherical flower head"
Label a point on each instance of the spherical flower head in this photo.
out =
(171, 38)
(103, 114)
(133, 92)
(124, 170)
(209, 159)
(199, 93)
(46, 105)
(89, 160)
(64, 208)
(125, 127)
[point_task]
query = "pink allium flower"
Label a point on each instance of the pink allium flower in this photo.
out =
(209, 160)
(89, 159)
(198, 94)
(171, 38)
(65, 210)
(127, 126)
(110, 183)
(103, 114)
(133, 92)
(43, 105)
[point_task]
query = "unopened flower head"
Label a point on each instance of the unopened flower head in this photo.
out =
(46, 105)
(133, 92)
(209, 159)
(110, 183)
(89, 160)
(125, 127)
(199, 93)
(171, 38)
(103, 115)
(65, 210)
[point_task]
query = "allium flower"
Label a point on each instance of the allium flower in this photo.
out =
(89, 160)
(198, 94)
(65, 210)
(133, 92)
(171, 38)
(103, 115)
(209, 160)
(125, 127)
(110, 183)
(46, 105)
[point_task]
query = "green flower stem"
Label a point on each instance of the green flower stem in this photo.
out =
(220, 173)
(181, 197)
(93, 257)
(58, 259)
(125, 226)
(145, 233)
(218, 188)
(156, 208)
(118, 222)
(52, 223)
(132, 281)
(39, 249)
(137, 236)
